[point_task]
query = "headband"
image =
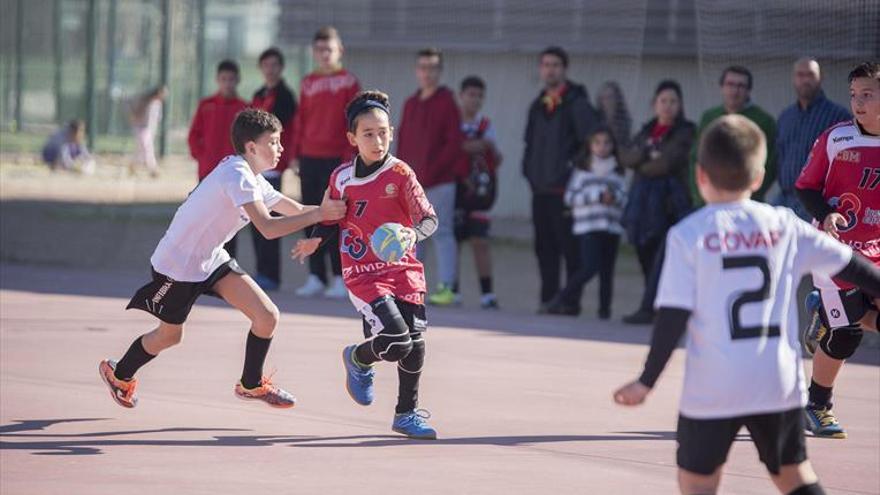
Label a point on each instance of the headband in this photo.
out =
(362, 107)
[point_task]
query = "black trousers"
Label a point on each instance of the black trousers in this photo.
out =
(654, 255)
(553, 242)
(268, 251)
(598, 251)
(314, 176)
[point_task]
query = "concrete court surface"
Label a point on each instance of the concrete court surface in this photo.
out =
(522, 405)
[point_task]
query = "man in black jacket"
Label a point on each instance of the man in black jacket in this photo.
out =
(558, 122)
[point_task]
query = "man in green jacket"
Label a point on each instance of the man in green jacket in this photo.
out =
(736, 89)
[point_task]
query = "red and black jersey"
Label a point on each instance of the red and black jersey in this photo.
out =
(281, 102)
(210, 132)
(844, 165)
(389, 194)
(319, 126)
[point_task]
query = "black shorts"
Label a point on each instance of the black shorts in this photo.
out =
(413, 315)
(703, 444)
(471, 223)
(170, 300)
(843, 308)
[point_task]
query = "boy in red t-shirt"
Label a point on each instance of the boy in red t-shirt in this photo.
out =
(389, 295)
(840, 188)
(209, 134)
(319, 146)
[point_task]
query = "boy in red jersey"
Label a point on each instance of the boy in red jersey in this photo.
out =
(210, 132)
(380, 188)
(319, 146)
(840, 188)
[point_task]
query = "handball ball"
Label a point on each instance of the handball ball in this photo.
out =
(389, 243)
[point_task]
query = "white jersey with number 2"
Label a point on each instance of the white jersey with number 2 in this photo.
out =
(736, 267)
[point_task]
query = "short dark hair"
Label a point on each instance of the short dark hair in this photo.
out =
(228, 66)
(271, 52)
(250, 124)
(473, 82)
(732, 152)
(431, 52)
(327, 33)
(369, 95)
(871, 70)
(558, 52)
(737, 69)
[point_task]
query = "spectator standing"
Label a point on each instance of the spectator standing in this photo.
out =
(736, 96)
(210, 138)
(319, 146)
(476, 191)
(659, 195)
(558, 121)
(798, 127)
(276, 98)
(430, 141)
(614, 113)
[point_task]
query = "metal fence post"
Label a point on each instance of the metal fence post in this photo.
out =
(165, 71)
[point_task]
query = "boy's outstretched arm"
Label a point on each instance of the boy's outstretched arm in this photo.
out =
(275, 227)
(669, 326)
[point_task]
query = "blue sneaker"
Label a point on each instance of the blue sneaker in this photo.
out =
(816, 329)
(358, 380)
(266, 283)
(822, 422)
(413, 425)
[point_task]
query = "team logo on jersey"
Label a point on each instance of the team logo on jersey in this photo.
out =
(351, 242)
(842, 138)
(390, 191)
(851, 156)
(871, 217)
(849, 205)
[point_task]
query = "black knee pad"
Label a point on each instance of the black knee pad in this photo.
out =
(813, 489)
(393, 341)
(414, 361)
(841, 343)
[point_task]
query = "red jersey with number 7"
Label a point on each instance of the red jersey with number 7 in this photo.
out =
(845, 165)
(389, 194)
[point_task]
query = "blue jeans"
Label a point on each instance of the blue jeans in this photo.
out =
(598, 251)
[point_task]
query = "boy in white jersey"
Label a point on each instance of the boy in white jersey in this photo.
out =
(730, 278)
(190, 260)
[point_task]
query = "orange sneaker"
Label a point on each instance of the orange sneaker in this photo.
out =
(266, 392)
(123, 392)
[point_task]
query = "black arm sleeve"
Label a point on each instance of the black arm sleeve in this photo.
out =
(861, 273)
(425, 227)
(325, 232)
(669, 326)
(814, 203)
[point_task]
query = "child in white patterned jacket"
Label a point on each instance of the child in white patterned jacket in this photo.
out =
(596, 195)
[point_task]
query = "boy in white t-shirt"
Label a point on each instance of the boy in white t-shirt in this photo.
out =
(730, 279)
(190, 260)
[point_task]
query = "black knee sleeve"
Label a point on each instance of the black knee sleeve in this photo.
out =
(841, 343)
(414, 361)
(813, 489)
(392, 342)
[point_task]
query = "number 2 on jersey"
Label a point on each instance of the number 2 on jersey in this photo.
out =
(737, 329)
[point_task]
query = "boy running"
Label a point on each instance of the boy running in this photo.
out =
(390, 296)
(190, 260)
(729, 279)
(840, 188)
